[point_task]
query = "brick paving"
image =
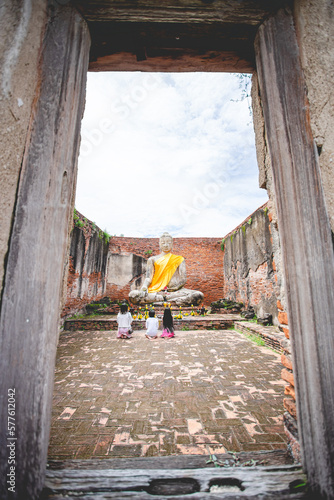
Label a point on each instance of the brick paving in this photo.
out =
(201, 392)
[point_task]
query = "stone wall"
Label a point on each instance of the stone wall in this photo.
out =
(314, 23)
(22, 25)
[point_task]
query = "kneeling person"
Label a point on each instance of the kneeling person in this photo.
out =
(124, 320)
(168, 326)
(152, 325)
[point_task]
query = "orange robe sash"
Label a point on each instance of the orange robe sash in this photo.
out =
(164, 268)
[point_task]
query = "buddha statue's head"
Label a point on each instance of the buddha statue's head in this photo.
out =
(166, 242)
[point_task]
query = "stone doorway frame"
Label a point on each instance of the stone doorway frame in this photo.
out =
(44, 200)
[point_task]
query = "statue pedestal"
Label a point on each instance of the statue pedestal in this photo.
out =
(182, 297)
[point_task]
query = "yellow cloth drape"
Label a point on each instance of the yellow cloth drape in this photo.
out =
(164, 268)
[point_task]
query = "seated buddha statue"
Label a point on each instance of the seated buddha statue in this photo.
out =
(165, 279)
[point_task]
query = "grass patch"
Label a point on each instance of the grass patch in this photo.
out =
(255, 338)
(253, 320)
(76, 316)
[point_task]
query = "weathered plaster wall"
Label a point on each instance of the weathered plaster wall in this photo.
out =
(249, 267)
(314, 23)
(22, 24)
(88, 256)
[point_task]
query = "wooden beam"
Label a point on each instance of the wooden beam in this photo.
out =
(175, 11)
(167, 61)
(174, 35)
(130, 46)
(306, 240)
(29, 322)
(248, 482)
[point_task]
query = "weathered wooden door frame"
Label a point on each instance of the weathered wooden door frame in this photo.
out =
(304, 229)
(306, 240)
(29, 322)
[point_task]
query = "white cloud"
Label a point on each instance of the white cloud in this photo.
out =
(167, 152)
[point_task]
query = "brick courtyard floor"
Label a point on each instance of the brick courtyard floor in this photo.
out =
(201, 392)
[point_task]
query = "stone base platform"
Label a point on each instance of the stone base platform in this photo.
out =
(209, 322)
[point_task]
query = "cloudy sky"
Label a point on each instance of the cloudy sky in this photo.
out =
(167, 152)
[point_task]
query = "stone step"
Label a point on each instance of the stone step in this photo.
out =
(209, 322)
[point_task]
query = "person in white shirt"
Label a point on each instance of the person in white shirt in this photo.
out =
(124, 320)
(152, 325)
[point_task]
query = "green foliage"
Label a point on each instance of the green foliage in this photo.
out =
(244, 229)
(106, 236)
(249, 221)
(298, 486)
(245, 84)
(76, 316)
(253, 320)
(222, 245)
(148, 252)
(76, 218)
(185, 328)
(265, 210)
(94, 306)
(77, 221)
(232, 236)
(92, 315)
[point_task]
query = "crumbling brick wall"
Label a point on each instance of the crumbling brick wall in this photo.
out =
(86, 279)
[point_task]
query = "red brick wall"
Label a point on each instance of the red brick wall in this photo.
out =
(203, 256)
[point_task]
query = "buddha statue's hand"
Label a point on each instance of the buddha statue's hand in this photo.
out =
(143, 291)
